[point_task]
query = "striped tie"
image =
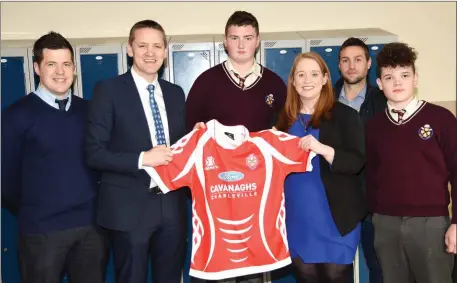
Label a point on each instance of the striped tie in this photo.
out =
(242, 79)
(400, 114)
(160, 134)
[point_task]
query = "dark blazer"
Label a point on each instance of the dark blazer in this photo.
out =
(116, 135)
(375, 101)
(345, 133)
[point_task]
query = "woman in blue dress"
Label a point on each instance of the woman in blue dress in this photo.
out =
(324, 207)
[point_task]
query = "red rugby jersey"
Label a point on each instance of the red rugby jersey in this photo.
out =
(237, 184)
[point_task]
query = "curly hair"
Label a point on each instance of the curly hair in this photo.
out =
(395, 54)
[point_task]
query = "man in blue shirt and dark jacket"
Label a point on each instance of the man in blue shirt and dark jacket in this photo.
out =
(353, 90)
(45, 177)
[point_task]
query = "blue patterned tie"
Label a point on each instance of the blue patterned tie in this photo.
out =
(160, 134)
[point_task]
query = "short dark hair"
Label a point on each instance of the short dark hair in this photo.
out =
(395, 54)
(147, 24)
(242, 18)
(354, 41)
(53, 41)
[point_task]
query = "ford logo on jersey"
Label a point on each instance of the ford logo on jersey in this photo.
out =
(231, 176)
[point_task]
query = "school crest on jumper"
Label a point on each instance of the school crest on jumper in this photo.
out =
(425, 132)
(269, 99)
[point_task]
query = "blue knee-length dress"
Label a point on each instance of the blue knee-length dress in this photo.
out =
(311, 231)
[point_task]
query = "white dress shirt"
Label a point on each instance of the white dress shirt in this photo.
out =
(410, 109)
(255, 72)
(142, 86)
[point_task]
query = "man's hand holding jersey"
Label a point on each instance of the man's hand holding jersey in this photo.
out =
(159, 155)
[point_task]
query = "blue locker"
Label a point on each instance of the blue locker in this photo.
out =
(10, 267)
(280, 60)
(330, 56)
(374, 49)
(188, 65)
(15, 85)
(96, 67)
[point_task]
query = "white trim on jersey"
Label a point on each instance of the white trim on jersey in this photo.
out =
(198, 156)
(239, 271)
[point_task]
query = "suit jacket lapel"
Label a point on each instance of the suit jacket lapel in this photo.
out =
(133, 102)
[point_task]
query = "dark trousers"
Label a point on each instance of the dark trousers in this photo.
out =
(367, 240)
(454, 274)
(82, 253)
(412, 249)
(162, 234)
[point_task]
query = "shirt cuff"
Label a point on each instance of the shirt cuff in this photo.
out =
(140, 161)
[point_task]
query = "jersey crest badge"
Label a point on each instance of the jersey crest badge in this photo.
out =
(252, 161)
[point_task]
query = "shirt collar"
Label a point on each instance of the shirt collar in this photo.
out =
(362, 94)
(50, 98)
(255, 69)
(410, 108)
(140, 82)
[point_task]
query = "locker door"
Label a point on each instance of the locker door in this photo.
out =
(14, 86)
(10, 267)
(187, 65)
(222, 56)
(373, 51)
(34, 78)
(280, 60)
(330, 56)
(14, 78)
(97, 63)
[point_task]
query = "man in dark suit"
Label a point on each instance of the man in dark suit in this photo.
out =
(354, 90)
(132, 119)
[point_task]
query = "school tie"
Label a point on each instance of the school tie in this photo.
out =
(400, 114)
(160, 134)
(62, 103)
(242, 79)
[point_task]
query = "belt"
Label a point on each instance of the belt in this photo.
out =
(155, 190)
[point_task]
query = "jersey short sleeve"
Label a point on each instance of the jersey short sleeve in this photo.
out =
(285, 149)
(178, 173)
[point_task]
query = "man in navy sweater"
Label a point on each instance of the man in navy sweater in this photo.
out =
(411, 159)
(45, 177)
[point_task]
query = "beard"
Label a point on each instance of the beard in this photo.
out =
(353, 81)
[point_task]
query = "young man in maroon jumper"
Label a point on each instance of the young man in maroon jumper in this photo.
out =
(411, 159)
(239, 91)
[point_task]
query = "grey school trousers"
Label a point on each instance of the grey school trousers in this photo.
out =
(412, 249)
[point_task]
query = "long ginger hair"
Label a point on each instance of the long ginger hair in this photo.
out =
(293, 103)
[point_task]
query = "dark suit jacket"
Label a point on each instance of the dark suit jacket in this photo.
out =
(116, 135)
(345, 133)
